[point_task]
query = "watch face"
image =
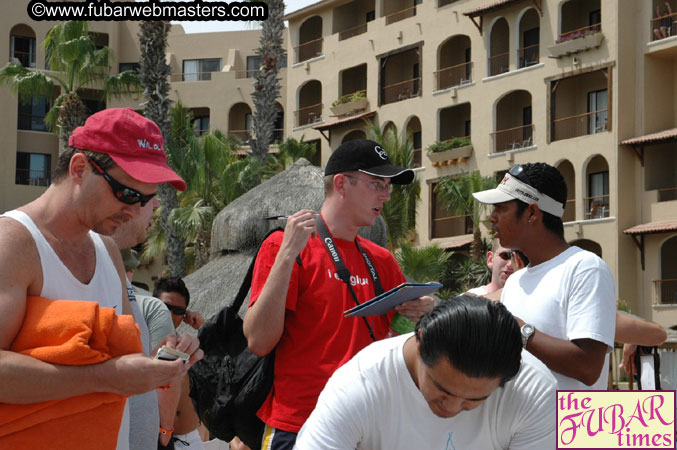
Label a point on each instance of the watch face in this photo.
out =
(528, 329)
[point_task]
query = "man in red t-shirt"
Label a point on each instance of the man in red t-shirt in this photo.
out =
(297, 307)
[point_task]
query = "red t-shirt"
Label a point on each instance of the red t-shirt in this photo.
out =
(317, 339)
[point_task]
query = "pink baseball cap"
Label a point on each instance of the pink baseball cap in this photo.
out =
(134, 142)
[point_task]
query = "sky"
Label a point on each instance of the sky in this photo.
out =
(211, 26)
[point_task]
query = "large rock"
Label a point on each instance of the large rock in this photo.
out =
(239, 228)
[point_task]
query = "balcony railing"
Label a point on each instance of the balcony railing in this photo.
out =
(452, 226)
(308, 50)
(240, 74)
(352, 32)
(243, 135)
(401, 15)
(401, 91)
(499, 64)
(597, 207)
(278, 135)
(528, 56)
(665, 291)
(191, 76)
(33, 177)
(513, 138)
(31, 122)
(457, 75)
(579, 32)
(664, 27)
(580, 125)
(26, 59)
(308, 115)
(569, 211)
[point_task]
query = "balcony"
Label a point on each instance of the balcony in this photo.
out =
(308, 50)
(400, 15)
(191, 76)
(243, 135)
(663, 27)
(451, 226)
(352, 32)
(241, 74)
(308, 115)
(578, 40)
(458, 75)
(665, 292)
(667, 194)
(528, 56)
(580, 125)
(597, 207)
(278, 135)
(513, 138)
(401, 91)
(499, 64)
(32, 177)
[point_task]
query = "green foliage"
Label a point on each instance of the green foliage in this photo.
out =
(399, 212)
(291, 150)
(357, 95)
(423, 264)
(449, 144)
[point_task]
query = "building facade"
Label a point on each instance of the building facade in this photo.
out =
(589, 86)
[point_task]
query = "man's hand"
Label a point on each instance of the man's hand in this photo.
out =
(628, 361)
(415, 309)
(136, 373)
(186, 343)
(194, 319)
(300, 226)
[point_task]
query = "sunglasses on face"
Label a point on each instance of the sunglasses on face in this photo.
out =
(123, 193)
(374, 185)
(505, 254)
(176, 310)
(517, 171)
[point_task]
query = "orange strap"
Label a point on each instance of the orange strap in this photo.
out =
(166, 432)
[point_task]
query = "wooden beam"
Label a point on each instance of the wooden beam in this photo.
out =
(639, 151)
(640, 245)
(478, 25)
(325, 136)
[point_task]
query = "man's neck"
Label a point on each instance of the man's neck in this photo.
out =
(52, 212)
(544, 247)
(339, 224)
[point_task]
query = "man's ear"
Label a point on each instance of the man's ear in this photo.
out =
(77, 167)
(490, 260)
(534, 213)
(339, 183)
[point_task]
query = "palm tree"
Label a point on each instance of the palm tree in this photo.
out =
(154, 73)
(267, 85)
(291, 150)
(74, 63)
(455, 193)
(399, 212)
(423, 264)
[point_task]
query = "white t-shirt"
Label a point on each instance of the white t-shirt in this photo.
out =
(571, 296)
(480, 291)
(372, 403)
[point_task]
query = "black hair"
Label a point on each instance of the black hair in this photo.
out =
(549, 181)
(480, 338)
(63, 162)
(171, 284)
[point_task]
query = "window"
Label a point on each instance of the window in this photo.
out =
(200, 69)
(135, 66)
(201, 125)
(443, 223)
(598, 185)
(32, 115)
(23, 49)
(598, 104)
(93, 106)
(33, 169)
(253, 66)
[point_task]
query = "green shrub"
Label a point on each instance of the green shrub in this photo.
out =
(448, 144)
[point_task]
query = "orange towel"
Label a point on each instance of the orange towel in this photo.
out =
(69, 332)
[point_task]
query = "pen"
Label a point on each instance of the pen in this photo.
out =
(276, 218)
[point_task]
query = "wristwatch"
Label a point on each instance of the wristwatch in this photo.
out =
(527, 331)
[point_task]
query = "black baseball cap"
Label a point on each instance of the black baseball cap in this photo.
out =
(368, 157)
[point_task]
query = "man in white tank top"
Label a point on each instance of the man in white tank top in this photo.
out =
(52, 247)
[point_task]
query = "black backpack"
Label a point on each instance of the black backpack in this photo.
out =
(229, 385)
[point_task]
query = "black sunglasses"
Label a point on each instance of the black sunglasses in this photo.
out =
(505, 255)
(123, 193)
(177, 310)
(517, 171)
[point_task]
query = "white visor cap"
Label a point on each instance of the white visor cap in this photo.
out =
(513, 189)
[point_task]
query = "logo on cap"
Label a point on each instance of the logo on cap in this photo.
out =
(380, 152)
(143, 143)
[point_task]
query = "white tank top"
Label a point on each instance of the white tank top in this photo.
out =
(59, 283)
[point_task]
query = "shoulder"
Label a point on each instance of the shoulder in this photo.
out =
(18, 251)
(375, 251)
(534, 381)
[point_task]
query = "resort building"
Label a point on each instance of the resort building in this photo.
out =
(589, 86)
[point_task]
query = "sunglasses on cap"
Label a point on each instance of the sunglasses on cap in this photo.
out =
(517, 171)
(505, 254)
(176, 310)
(123, 193)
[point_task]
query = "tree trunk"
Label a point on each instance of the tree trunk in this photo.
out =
(476, 245)
(154, 74)
(71, 115)
(267, 85)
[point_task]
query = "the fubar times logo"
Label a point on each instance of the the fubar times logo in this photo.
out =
(615, 420)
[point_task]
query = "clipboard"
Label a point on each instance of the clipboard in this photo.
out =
(383, 303)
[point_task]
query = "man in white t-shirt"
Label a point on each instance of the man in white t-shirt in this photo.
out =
(565, 300)
(499, 262)
(451, 384)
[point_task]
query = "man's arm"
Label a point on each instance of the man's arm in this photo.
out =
(633, 330)
(114, 253)
(264, 321)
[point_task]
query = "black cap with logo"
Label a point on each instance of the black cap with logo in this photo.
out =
(368, 157)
